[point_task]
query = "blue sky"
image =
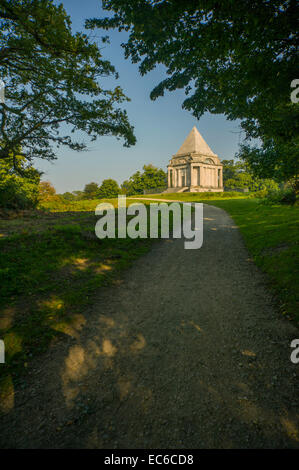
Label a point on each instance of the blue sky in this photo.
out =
(160, 126)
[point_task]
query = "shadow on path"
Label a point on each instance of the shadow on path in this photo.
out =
(188, 351)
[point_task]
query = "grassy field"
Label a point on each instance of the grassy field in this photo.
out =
(72, 206)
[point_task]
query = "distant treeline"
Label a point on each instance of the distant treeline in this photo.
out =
(26, 191)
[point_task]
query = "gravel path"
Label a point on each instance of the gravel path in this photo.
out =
(188, 351)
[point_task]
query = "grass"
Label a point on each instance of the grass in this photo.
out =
(74, 206)
(51, 267)
(271, 235)
(190, 197)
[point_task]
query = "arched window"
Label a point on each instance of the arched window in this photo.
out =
(210, 161)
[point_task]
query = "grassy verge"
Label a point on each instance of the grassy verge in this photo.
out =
(193, 197)
(51, 267)
(271, 236)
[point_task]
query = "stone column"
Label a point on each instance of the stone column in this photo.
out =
(168, 177)
(192, 175)
(203, 176)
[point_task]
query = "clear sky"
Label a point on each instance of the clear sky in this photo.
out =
(160, 126)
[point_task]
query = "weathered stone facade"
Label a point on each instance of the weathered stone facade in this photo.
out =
(195, 167)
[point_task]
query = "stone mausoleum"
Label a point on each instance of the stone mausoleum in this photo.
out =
(195, 167)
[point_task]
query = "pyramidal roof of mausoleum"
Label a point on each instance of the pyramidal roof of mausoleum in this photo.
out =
(195, 143)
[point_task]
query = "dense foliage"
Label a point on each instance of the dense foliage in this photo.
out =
(18, 192)
(238, 58)
(280, 196)
(273, 160)
(150, 178)
(90, 191)
(51, 77)
(109, 188)
(237, 174)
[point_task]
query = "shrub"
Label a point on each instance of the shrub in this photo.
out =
(224, 194)
(108, 189)
(90, 191)
(262, 193)
(280, 196)
(16, 191)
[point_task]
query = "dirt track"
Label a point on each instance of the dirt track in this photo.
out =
(188, 351)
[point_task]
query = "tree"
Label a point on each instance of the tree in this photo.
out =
(91, 190)
(43, 30)
(273, 160)
(233, 57)
(67, 196)
(17, 192)
(78, 195)
(151, 178)
(51, 78)
(108, 189)
(237, 174)
(134, 185)
(230, 169)
(46, 191)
